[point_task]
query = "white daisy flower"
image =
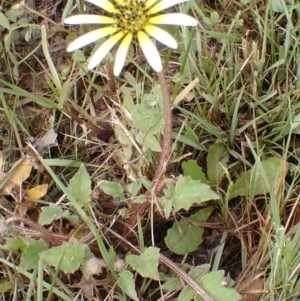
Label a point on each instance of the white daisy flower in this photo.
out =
(125, 20)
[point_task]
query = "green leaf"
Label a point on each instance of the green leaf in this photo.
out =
(199, 271)
(5, 286)
(166, 203)
(130, 79)
(214, 17)
(145, 264)
(207, 21)
(16, 244)
(49, 214)
(186, 294)
(12, 15)
(140, 199)
(148, 141)
(80, 185)
(128, 102)
(54, 212)
(122, 136)
(152, 143)
(185, 236)
(78, 56)
(72, 218)
(112, 188)
(252, 182)
(127, 284)
(3, 21)
(189, 192)
(135, 187)
(23, 22)
(277, 6)
(66, 257)
(172, 284)
(212, 284)
(11, 37)
(202, 215)
(29, 32)
(146, 182)
(31, 254)
(216, 157)
(112, 254)
(166, 200)
(148, 117)
(295, 125)
(191, 168)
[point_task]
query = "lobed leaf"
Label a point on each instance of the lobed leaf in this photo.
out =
(145, 264)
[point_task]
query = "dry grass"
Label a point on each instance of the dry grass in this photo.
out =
(247, 99)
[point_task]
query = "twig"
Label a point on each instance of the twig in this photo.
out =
(185, 277)
(54, 240)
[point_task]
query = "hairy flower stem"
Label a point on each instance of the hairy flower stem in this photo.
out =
(141, 209)
(111, 81)
(167, 133)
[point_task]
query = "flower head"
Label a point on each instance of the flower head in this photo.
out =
(124, 20)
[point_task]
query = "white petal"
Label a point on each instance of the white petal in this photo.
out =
(89, 19)
(121, 54)
(174, 19)
(90, 37)
(102, 51)
(161, 35)
(105, 4)
(149, 51)
(164, 4)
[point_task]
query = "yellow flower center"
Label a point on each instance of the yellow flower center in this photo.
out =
(131, 16)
